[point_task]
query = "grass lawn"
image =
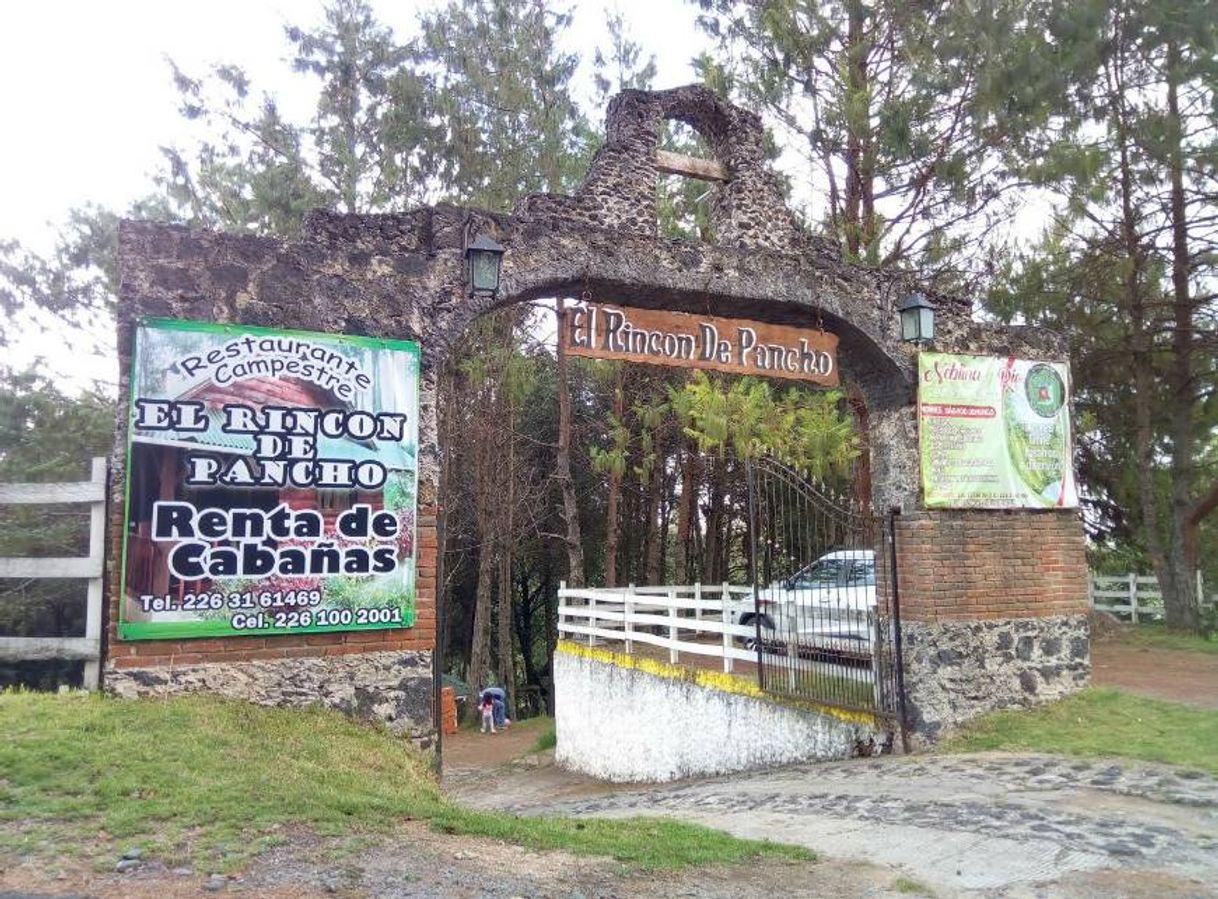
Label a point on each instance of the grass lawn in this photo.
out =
(201, 779)
(1156, 636)
(547, 739)
(1106, 723)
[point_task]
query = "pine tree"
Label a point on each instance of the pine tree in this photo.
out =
(896, 107)
(502, 91)
(1128, 147)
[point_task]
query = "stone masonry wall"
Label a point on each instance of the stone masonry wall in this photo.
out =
(402, 276)
(393, 688)
(956, 669)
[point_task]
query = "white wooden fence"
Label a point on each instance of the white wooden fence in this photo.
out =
(668, 617)
(697, 620)
(87, 647)
(1136, 596)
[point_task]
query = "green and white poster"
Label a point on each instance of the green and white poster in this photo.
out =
(271, 482)
(994, 433)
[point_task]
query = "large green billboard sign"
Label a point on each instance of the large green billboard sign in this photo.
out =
(994, 433)
(271, 482)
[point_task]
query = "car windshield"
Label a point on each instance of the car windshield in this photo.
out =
(834, 572)
(819, 574)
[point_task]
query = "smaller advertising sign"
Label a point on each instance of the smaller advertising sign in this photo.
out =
(271, 482)
(994, 433)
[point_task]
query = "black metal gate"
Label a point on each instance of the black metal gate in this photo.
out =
(826, 603)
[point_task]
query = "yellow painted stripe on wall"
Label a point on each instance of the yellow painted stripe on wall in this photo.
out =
(712, 680)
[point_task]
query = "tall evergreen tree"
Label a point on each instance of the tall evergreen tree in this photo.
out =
(1130, 149)
(896, 107)
(502, 91)
(371, 145)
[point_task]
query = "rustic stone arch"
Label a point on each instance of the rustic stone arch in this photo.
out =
(402, 276)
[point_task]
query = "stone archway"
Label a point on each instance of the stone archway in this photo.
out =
(1016, 628)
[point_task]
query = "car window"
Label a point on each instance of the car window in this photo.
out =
(862, 574)
(826, 572)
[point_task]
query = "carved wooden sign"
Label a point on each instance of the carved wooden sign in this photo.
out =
(733, 345)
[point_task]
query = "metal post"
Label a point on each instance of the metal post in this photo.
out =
(673, 656)
(792, 654)
(751, 479)
(628, 625)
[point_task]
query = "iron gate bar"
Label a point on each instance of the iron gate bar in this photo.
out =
(749, 476)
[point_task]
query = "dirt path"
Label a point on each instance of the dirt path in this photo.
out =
(983, 827)
(468, 749)
(1172, 674)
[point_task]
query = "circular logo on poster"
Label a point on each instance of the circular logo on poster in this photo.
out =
(1045, 391)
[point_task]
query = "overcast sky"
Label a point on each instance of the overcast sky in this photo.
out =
(87, 99)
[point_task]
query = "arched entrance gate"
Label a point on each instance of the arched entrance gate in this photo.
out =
(1005, 627)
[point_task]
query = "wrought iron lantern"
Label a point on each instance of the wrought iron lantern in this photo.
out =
(917, 319)
(483, 261)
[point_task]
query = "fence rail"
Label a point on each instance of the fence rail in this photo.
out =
(699, 620)
(1136, 596)
(88, 647)
(668, 617)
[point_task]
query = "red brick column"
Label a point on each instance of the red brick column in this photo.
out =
(970, 565)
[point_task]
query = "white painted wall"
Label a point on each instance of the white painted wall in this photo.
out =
(620, 724)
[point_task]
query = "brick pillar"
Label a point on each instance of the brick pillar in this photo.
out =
(994, 611)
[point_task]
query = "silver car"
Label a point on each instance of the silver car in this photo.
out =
(829, 605)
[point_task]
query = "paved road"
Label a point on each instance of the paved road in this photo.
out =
(993, 825)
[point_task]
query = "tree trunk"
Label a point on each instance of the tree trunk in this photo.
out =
(655, 535)
(1141, 358)
(714, 523)
(562, 466)
(487, 494)
(480, 649)
(667, 491)
(507, 496)
(612, 513)
(547, 590)
(685, 507)
(1181, 608)
(522, 620)
(611, 529)
(856, 73)
(507, 657)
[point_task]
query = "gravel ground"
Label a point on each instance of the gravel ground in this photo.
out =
(416, 862)
(976, 826)
(983, 825)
